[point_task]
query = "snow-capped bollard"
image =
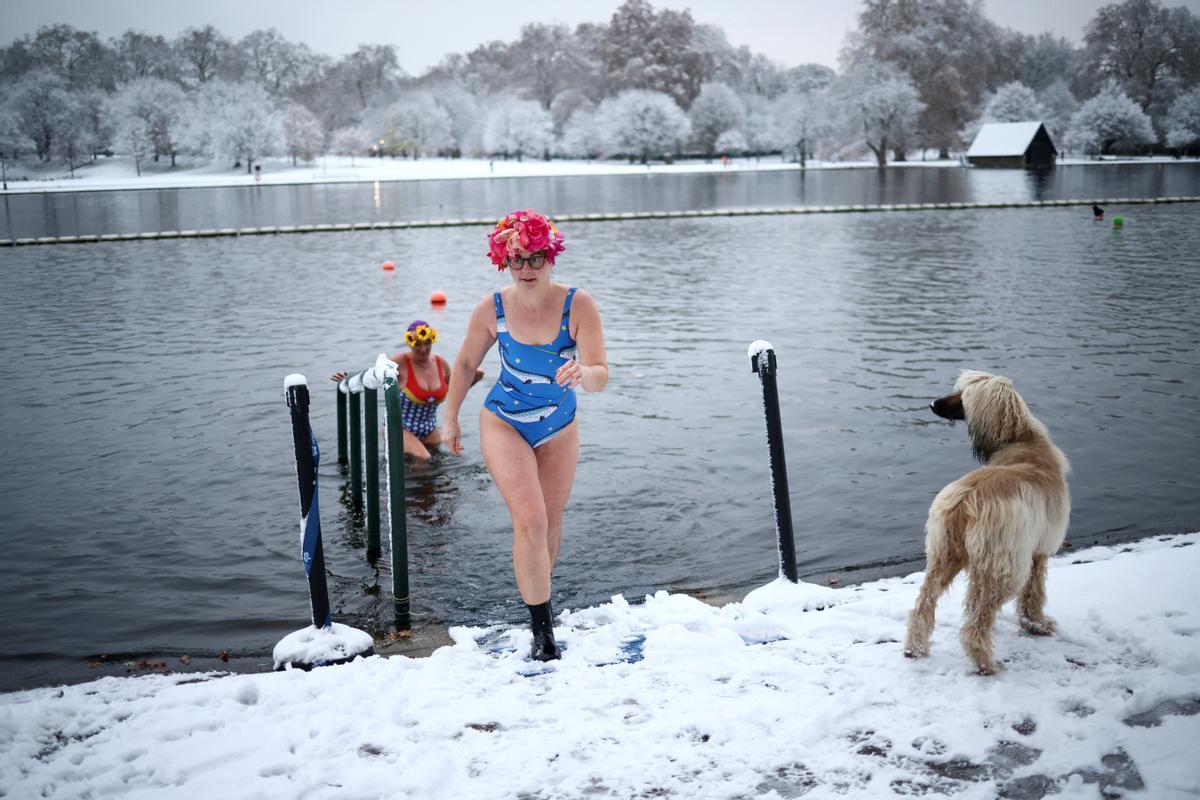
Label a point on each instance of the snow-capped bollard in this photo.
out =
(324, 642)
(762, 361)
(342, 390)
(354, 382)
(371, 431)
(397, 504)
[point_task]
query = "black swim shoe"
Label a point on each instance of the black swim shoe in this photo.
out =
(541, 622)
(544, 646)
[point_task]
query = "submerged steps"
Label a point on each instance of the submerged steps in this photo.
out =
(595, 217)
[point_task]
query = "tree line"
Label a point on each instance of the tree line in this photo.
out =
(914, 76)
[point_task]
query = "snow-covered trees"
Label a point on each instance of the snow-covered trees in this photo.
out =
(581, 137)
(416, 125)
(643, 124)
(517, 128)
(1012, 102)
(880, 106)
(304, 136)
(716, 110)
(1144, 47)
(201, 50)
(352, 141)
(237, 121)
(656, 51)
(43, 108)
(1183, 120)
(801, 118)
(947, 48)
(1110, 121)
(147, 117)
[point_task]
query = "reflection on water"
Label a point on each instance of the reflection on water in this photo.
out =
(149, 498)
(255, 205)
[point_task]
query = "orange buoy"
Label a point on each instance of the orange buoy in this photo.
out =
(438, 298)
(388, 266)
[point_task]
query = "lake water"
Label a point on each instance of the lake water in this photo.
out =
(149, 498)
(74, 213)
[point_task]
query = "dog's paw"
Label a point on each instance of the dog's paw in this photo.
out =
(916, 652)
(1038, 627)
(990, 668)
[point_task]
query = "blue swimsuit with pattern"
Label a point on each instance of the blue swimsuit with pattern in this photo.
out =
(526, 395)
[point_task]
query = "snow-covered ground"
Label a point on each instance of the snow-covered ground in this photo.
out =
(119, 172)
(797, 690)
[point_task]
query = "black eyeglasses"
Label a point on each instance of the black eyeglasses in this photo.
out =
(535, 261)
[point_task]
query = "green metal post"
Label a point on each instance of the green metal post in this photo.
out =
(397, 505)
(371, 426)
(356, 455)
(341, 414)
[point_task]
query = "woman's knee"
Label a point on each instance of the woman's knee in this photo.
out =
(530, 525)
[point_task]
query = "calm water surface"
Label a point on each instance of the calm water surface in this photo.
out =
(73, 213)
(149, 499)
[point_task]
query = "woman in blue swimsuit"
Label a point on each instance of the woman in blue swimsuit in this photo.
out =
(551, 343)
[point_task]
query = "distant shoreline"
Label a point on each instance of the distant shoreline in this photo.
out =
(118, 173)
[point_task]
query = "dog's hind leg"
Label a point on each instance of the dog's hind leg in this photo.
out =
(943, 562)
(1033, 600)
(985, 596)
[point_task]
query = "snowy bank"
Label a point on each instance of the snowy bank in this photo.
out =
(119, 172)
(797, 690)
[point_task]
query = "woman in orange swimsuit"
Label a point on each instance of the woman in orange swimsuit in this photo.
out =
(424, 379)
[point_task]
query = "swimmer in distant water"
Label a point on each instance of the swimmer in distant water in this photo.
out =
(424, 379)
(1097, 212)
(550, 343)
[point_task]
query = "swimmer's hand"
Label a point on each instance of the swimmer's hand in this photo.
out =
(569, 374)
(337, 377)
(452, 436)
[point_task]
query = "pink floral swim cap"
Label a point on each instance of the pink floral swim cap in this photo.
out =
(523, 233)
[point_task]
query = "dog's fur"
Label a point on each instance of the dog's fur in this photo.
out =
(1000, 522)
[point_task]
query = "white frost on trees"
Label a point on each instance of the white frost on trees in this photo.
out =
(147, 119)
(880, 104)
(517, 128)
(1183, 120)
(352, 141)
(236, 121)
(644, 124)
(416, 125)
(581, 137)
(303, 132)
(716, 110)
(1110, 122)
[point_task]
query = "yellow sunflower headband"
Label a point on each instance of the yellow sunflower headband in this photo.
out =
(420, 332)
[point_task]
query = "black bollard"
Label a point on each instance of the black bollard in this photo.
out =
(341, 416)
(356, 445)
(397, 503)
(308, 458)
(762, 361)
(371, 430)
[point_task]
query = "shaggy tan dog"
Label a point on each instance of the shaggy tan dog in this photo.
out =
(999, 522)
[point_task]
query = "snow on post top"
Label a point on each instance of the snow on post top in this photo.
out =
(757, 347)
(295, 379)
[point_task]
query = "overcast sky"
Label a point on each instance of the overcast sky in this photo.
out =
(788, 31)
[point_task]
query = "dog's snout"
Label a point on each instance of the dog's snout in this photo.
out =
(948, 407)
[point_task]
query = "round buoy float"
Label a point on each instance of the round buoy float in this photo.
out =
(1118, 222)
(438, 298)
(388, 266)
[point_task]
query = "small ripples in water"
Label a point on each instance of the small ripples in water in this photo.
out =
(150, 493)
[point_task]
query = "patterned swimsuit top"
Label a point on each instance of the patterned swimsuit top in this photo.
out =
(418, 393)
(526, 394)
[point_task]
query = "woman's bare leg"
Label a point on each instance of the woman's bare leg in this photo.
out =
(556, 461)
(414, 448)
(514, 468)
